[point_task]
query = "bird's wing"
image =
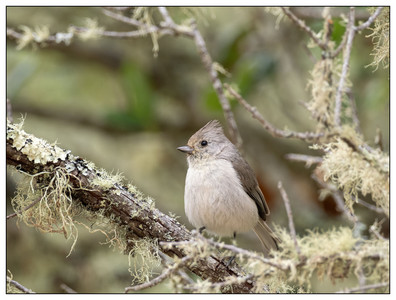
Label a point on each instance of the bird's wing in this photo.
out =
(250, 185)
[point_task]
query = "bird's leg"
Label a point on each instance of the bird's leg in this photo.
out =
(232, 257)
(200, 230)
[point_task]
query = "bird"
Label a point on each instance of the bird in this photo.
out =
(221, 194)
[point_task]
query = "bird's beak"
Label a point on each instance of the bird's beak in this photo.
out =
(185, 149)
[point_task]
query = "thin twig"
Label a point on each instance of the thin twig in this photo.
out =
(370, 206)
(124, 19)
(157, 280)
(364, 288)
(370, 20)
(308, 159)
(289, 216)
(338, 198)
(19, 286)
(267, 125)
(340, 46)
(24, 209)
(300, 23)
(231, 248)
(352, 104)
(218, 87)
(345, 67)
(358, 28)
(378, 139)
(67, 289)
(9, 111)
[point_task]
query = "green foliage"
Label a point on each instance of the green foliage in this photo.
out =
(338, 30)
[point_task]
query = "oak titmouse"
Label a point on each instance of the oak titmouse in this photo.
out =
(221, 193)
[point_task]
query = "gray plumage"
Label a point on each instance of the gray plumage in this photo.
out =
(221, 191)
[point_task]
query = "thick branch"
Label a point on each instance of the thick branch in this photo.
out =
(124, 208)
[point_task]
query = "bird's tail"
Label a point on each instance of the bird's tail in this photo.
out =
(267, 237)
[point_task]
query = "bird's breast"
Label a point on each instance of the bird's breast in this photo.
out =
(215, 198)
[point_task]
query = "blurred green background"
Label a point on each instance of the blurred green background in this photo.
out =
(112, 102)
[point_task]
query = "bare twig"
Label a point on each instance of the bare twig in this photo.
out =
(9, 111)
(124, 19)
(300, 23)
(345, 67)
(370, 20)
(370, 206)
(364, 288)
(157, 280)
(306, 136)
(19, 286)
(67, 289)
(347, 43)
(340, 46)
(338, 198)
(217, 85)
(289, 216)
(378, 139)
(352, 104)
(374, 229)
(308, 159)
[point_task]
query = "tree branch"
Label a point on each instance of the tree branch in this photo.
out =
(364, 288)
(345, 67)
(300, 23)
(370, 20)
(306, 136)
(290, 217)
(19, 286)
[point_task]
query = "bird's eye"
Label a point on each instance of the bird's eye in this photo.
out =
(204, 143)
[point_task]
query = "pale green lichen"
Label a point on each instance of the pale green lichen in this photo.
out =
(92, 30)
(106, 181)
(335, 254)
(143, 260)
(48, 205)
(39, 35)
(380, 37)
(354, 172)
(37, 150)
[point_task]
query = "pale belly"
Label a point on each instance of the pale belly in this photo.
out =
(215, 199)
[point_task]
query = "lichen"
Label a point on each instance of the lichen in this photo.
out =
(93, 30)
(39, 35)
(354, 172)
(37, 150)
(380, 38)
(143, 259)
(44, 201)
